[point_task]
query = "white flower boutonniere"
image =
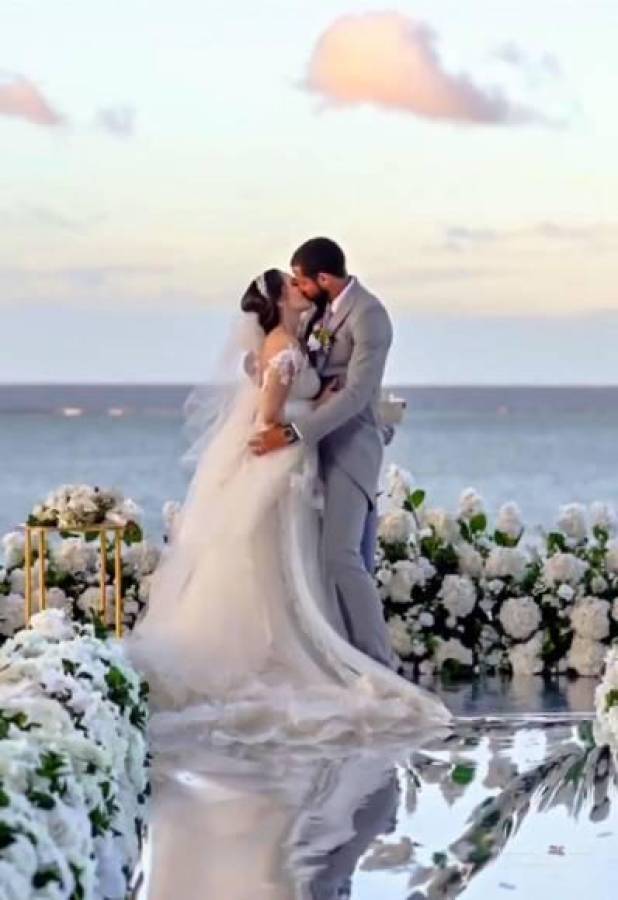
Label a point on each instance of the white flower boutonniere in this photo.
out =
(320, 339)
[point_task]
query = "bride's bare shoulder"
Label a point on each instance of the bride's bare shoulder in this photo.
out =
(276, 341)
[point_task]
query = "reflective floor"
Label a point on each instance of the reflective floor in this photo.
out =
(521, 804)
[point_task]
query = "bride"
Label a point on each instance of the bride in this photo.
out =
(236, 642)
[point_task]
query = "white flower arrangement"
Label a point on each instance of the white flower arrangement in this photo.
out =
(81, 505)
(529, 609)
(73, 763)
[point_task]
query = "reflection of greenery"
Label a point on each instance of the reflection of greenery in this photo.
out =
(576, 777)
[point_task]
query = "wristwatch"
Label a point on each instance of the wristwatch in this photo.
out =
(291, 432)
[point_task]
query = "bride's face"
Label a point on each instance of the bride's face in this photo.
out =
(292, 297)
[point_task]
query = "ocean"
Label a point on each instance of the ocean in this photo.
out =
(539, 446)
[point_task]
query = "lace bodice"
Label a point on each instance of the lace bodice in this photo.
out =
(293, 368)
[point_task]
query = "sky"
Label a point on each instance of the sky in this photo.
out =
(156, 156)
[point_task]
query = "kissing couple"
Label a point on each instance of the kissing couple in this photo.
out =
(264, 623)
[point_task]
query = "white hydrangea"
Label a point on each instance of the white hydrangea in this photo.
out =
(89, 600)
(510, 520)
(572, 521)
(520, 617)
(506, 562)
(396, 526)
(458, 594)
(564, 567)
(606, 731)
(470, 504)
(426, 619)
(452, 649)
(401, 639)
(470, 560)
(615, 610)
(13, 544)
(586, 657)
(444, 525)
(74, 555)
(141, 558)
(398, 484)
(406, 574)
(12, 614)
(525, 658)
(52, 624)
(590, 618)
(603, 515)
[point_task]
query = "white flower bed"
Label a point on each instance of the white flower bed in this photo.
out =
(461, 595)
(73, 763)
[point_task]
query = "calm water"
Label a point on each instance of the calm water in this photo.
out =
(522, 804)
(539, 446)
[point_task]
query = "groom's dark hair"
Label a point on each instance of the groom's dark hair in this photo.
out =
(320, 255)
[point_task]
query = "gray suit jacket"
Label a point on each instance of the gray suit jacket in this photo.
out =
(347, 429)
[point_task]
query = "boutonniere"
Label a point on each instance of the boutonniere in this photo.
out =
(320, 339)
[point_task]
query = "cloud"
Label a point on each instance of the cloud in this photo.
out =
(595, 234)
(20, 98)
(389, 60)
(118, 121)
(545, 65)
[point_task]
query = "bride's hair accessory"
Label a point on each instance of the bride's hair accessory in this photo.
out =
(260, 283)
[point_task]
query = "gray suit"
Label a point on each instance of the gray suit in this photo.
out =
(347, 433)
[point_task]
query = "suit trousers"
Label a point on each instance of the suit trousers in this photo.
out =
(356, 608)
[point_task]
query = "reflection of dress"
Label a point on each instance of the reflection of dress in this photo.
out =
(273, 828)
(235, 643)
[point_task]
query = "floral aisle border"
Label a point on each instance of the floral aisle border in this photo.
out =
(459, 594)
(73, 763)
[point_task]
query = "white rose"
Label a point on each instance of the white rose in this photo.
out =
(400, 636)
(470, 561)
(452, 649)
(396, 527)
(470, 504)
(603, 515)
(564, 567)
(586, 657)
(598, 585)
(398, 484)
(495, 586)
(590, 618)
(572, 521)
(13, 544)
(458, 595)
(566, 592)
(520, 616)
(444, 525)
(406, 574)
(510, 521)
(426, 620)
(525, 658)
(506, 562)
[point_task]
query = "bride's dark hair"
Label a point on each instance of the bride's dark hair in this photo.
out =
(262, 297)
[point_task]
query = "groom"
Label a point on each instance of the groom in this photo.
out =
(355, 336)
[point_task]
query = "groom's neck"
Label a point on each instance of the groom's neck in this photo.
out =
(338, 286)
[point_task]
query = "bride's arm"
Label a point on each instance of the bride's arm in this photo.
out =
(278, 371)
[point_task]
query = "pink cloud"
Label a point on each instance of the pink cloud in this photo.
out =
(19, 97)
(389, 60)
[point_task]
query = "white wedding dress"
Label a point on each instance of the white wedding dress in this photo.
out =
(236, 642)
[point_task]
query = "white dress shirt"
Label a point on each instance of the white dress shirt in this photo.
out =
(331, 309)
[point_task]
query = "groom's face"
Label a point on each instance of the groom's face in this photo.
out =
(311, 288)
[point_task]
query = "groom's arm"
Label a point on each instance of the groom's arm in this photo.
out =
(372, 338)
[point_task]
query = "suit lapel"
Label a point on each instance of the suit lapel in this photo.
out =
(343, 311)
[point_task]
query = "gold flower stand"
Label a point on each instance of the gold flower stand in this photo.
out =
(102, 529)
